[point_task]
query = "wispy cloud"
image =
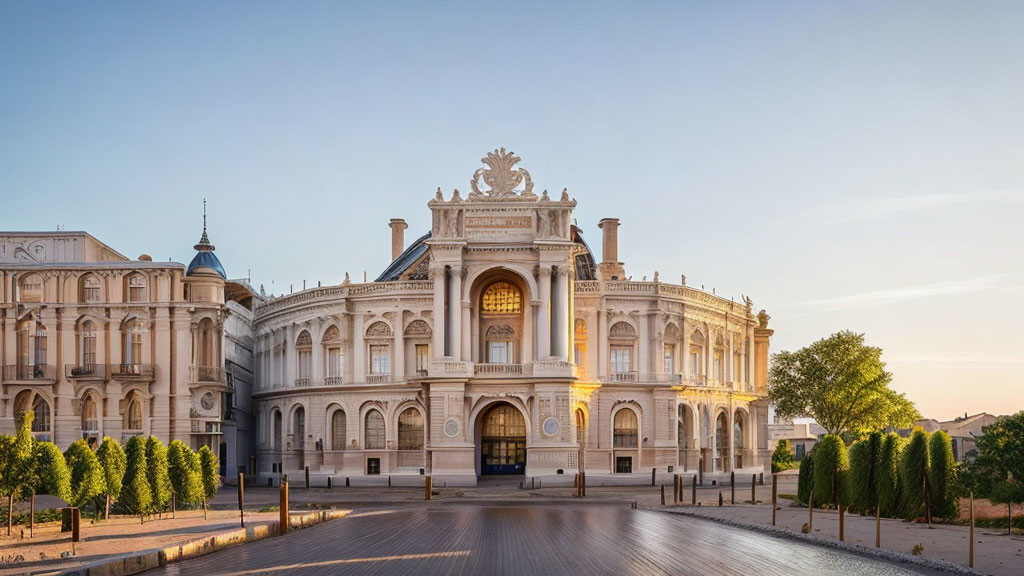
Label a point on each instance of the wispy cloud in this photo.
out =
(883, 297)
(955, 359)
(886, 207)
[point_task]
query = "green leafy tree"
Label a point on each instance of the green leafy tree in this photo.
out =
(185, 474)
(841, 383)
(86, 473)
(50, 474)
(945, 500)
(998, 469)
(157, 473)
(17, 469)
(135, 491)
(890, 496)
(805, 480)
(831, 472)
(865, 459)
(114, 463)
(210, 472)
(782, 458)
(914, 471)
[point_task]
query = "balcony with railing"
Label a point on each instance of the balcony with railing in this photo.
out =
(630, 377)
(485, 370)
(33, 374)
(302, 382)
(85, 371)
(378, 378)
(207, 375)
(132, 371)
(333, 381)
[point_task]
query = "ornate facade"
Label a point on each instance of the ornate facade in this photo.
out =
(497, 344)
(100, 345)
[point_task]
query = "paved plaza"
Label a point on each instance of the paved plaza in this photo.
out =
(529, 538)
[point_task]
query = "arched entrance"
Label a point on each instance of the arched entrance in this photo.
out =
(502, 440)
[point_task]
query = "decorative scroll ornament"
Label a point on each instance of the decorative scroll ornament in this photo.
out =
(502, 175)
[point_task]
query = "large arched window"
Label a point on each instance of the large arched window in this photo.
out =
(90, 418)
(722, 441)
(375, 438)
(696, 354)
(299, 427)
(334, 361)
(91, 292)
(41, 410)
(580, 344)
(131, 346)
(501, 322)
(626, 429)
(304, 348)
(30, 288)
(738, 426)
(671, 339)
(684, 427)
(276, 430)
(338, 430)
(410, 430)
(32, 350)
(136, 288)
(133, 415)
(88, 344)
(379, 338)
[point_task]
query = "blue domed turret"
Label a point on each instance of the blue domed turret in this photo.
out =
(205, 258)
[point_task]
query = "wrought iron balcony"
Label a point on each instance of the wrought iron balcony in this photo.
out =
(207, 375)
(496, 369)
(85, 371)
(624, 376)
(42, 374)
(132, 371)
(333, 381)
(302, 382)
(378, 378)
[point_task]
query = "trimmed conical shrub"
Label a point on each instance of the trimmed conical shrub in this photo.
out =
(86, 473)
(136, 494)
(806, 479)
(186, 476)
(889, 494)
(831, 472)
(157, 474)
(945, 502)
(914, 468)
(50, 472)
(865, 458)
(113, 462)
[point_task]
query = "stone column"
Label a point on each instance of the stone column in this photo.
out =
(544, 316)
(398, 355)
(686, 350)
(750, 358)
(644, 346)
(455, 312)
(289, 348)
(570, 324)
(728, 360)
(359, 358)
(438, 276)
(561, 326)
(467, 331)
(601, 343)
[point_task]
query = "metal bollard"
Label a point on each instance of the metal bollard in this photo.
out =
(654, 472)
(970, 561)
(753, 488)
(428, 484)
(842, 525)
(720, 499)
(307, 477)
(775, 497)
(732, 487)
(241, 498)
(283, 506)
(662, 494)
(693, 494)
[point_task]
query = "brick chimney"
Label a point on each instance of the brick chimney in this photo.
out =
(398, 227)
(610, 267)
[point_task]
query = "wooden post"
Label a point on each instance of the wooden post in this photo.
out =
(775, 495)
(10, 512)
(583, 476)
(842, 525)
(283, 519)
(810, 511)
(428, 487)
(174, 504)
(878, 527)
(241, 497)
(693, 491)
(753, 488)
(32, 515)
(662, 494)
(675, 488)
(76, 523)
(654, 472)
(732, 487)
(970, 561)
(307, 477)
(719, 498)
(927, 502)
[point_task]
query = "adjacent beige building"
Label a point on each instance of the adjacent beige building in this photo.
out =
(496, 343)
(97, 344)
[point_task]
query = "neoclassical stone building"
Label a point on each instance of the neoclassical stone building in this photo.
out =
(97, 344)
(496, 343)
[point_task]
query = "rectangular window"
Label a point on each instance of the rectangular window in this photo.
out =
(380, 359)
(718, 366)
(89, 349)
(621, 359)
(694, 363)
(670, 359)
(497, 352)
(335, 362)
(136, 289)
(305, 363)
(623, 465)
(422, 358)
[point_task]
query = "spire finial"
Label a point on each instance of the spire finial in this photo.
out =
(204, 241)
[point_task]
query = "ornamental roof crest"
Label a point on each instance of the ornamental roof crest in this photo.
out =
(502, 175)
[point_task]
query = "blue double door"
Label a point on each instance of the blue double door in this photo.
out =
(506, 455)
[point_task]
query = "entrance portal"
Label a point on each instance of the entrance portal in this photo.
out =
(502, 441)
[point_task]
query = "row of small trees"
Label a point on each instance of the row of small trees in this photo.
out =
(143, 477)
(908, 479)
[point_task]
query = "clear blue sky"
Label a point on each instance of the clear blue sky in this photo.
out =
(847, 165)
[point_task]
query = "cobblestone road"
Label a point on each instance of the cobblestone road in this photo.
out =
(528, 539)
